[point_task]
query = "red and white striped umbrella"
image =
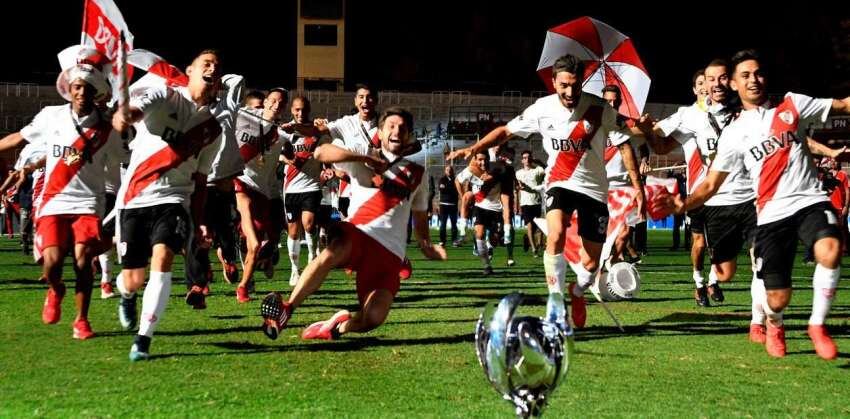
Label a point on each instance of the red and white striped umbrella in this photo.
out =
(609, 57)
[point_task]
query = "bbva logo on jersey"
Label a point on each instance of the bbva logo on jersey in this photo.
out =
(787, 117)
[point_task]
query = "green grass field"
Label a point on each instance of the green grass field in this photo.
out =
(675, 359)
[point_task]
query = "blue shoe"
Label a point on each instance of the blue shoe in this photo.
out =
(136, 355)
(140, 351)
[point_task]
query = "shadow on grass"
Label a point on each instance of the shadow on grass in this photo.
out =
(344, 345)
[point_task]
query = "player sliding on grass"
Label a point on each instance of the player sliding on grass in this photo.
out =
(371, 242)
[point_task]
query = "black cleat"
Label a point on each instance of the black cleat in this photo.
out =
(701, 297)
(276, 314)
(716, 293)
(488, 270)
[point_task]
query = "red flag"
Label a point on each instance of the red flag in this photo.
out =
(102, 26)
(152, 63)
(622, 212)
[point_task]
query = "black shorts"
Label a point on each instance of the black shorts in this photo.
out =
(592, 214)
(776, 243)
(323, 217)
(108, 230)
(343, 206)
(491, 220)
(142, 228)
(697, 217)
(727, 229)
(530, 212)
(295, 203)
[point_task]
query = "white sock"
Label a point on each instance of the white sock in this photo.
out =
(712, 276)
(154, 301)
(758, 295)
(698, 278)
(555, 267)
(461, 226)
(311, 246)
(119, 283)
(105, 267)
(508, 236)
(482, 251)
(774, 317)
(824, 282)
(294, 246)
(584, 279)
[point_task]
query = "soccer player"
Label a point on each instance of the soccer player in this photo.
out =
(574, 127)
(80, 144)
(530, 185)
(371, 242)
(260, 145)
(768, 140)
(697, 129)
(177, 139)
(303, 194)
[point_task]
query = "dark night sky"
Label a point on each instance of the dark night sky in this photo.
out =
(439, 45)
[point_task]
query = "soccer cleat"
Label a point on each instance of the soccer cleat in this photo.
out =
(269, 270)
(488, 270)
(231, 273)
(242, 295)
(327, 329)
(474, 250)
(511, 262)
(406, 270)
(276, 314)
(293, 278)
(824, 346)
(52, 311)
(757, 333)
(228, 269)
(701, 297)
(82, 329)
(457, 243)
(578, 308)
(127, 312)
(195, 298)
(775, 341)
(716, 293)
(106, 291)
(140, 351)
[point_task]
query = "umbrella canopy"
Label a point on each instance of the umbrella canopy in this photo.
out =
(609, 58)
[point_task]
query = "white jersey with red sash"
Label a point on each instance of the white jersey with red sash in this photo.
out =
(303, 176)
(31, 154)
(351, 129)
(259, 145)
(381, 206)
(487, 195)
(614, 166)
(226, 162)
(698, 130)
(574, 140)
(78, 151)
(770, 143)
(174, 140)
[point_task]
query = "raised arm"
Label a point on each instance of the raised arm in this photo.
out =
(11, 141)
(495, 137)
(709, 186)
(329, 153)
(822, 150)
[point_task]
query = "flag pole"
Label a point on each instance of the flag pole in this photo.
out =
(85, 18)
